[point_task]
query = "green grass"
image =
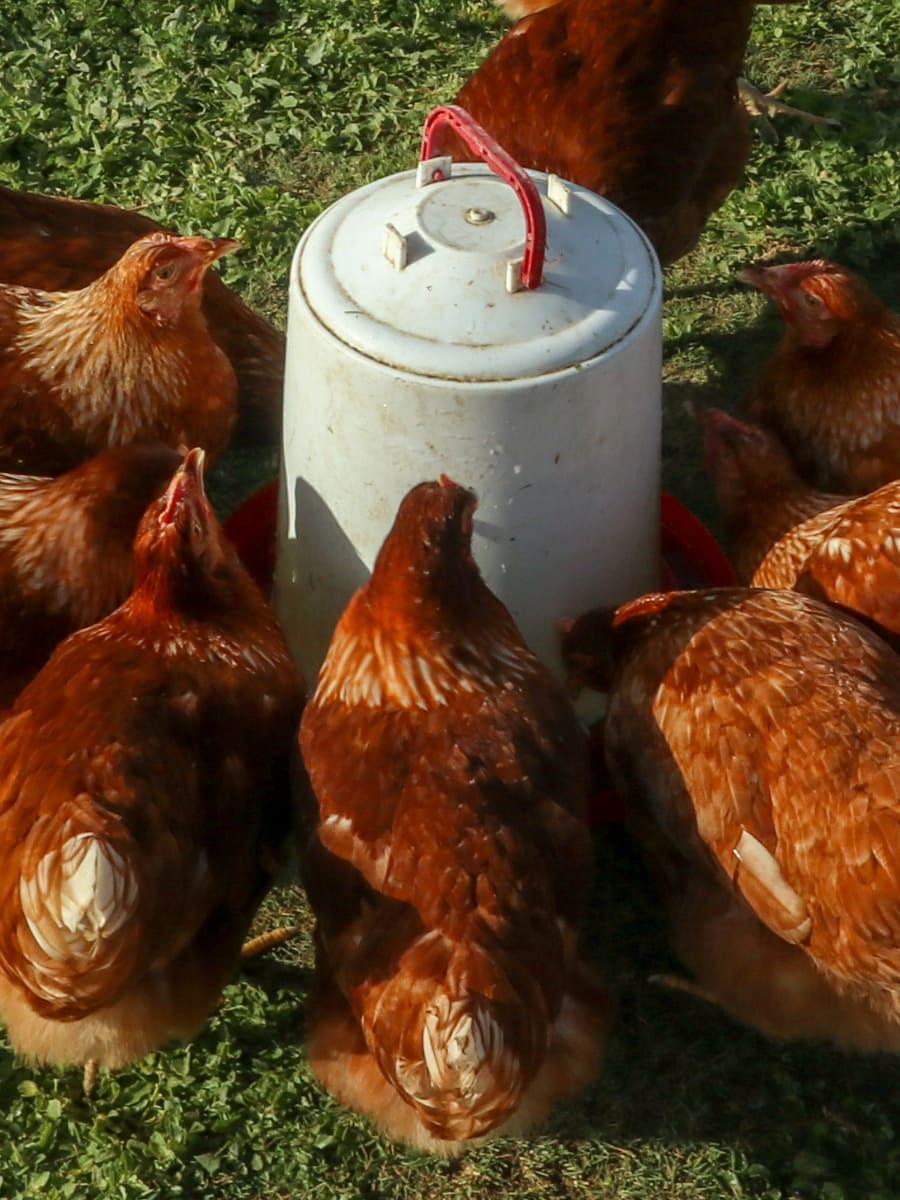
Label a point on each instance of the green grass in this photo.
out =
(247, 117)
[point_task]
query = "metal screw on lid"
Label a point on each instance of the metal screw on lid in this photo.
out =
(479, 216)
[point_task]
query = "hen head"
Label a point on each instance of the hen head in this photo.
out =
(743, 460)
(163, 273)
(426, 560)
(587, 649)
(181, 557)
(426, 624)
(594, 644)
(817, 299)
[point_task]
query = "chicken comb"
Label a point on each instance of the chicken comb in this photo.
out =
(642, 606)
(770, 275)
(209, 249)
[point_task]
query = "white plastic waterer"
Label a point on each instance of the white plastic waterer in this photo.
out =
(432, 329)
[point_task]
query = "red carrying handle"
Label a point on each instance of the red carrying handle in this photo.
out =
(502, 164)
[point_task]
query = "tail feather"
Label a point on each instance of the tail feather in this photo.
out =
(76, 897)
(457, 1043)
(459, 1034)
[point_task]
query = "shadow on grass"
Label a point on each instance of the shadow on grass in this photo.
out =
(682, 1073)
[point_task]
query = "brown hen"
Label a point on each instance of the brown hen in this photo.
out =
(832, 389)
(768, 511)
(66, 550)
(754, 733)
(449, 861)
(127, 358)
(143, 798)
(634, 99)
(57, 244)
(785, 534)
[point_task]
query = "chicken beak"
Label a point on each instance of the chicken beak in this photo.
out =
(204, 252)
(757, 277)
(721, 423)
(207, 250)
(192, 467)
(186, 485)
(220, 247)
(772, 281)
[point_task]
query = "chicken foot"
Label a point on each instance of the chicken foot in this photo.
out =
(677, 983)
(265, 941)
(89, 1078)
(767, 104)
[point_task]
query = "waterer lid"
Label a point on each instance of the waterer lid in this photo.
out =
(441, 271)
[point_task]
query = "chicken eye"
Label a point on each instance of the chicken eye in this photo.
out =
(811, 301)
(166, 272)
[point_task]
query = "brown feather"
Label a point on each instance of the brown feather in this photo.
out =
(767, 510)
(128, 358)
(755, 732)
(782, 533)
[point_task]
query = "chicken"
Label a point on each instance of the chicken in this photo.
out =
(831, 391)
(66, 550)
(125, 359)
(785, 534)
(448, 862)
(754, 733)
(763, 501)
(57, 244)
(143, 799)
(634, 99)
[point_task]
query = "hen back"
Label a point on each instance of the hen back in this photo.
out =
(754, 733)
(849, 555)
(635, 99)
(57, 244)
(448, 862)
